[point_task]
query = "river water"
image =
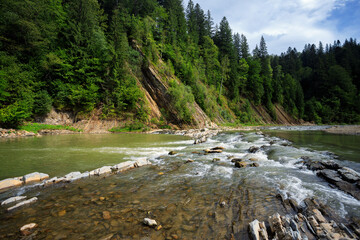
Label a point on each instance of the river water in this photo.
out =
(184, 198)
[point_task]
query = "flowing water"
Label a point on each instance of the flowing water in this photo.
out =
(184, 198)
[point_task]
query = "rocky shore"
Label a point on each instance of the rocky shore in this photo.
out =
(345, 129)
(314, 220)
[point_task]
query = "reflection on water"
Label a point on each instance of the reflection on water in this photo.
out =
(184, 198)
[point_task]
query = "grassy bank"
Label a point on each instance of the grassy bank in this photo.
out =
(36, 127)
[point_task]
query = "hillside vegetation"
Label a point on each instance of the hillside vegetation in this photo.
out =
(157, 63)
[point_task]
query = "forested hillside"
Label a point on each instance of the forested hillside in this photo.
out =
(81, 55)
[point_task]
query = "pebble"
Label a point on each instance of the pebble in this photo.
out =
(150, 222)
(106, 215)
(62, 213)
(25, 229)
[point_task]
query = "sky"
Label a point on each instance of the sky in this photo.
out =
(288, 23)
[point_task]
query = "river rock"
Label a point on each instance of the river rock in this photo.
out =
(212, 151)
(216, 160)
(72, 176)
(10, 182)
(330, 175)
(35, 177)
(25, 229)
(23, 203)
(253, 165)
(53, 181)
(240, 164)
(106, 215)
(200, 140)
(102, 170)
(349, 175)
(142, 162)
(253, 149)
(150, 222)
(234, 160)
(123, 166)
(257, 230)
(12, 200)
(189, 161)
(218, 148)
(348, 188)
(173, 153)
(330, 165)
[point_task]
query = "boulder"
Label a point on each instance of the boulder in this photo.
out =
(240, 164)
(331, 176)
(172, 153)
(35, 177)
(53, 181)
(73, 176)
(349, 175)
(23, 203)
(349, 188)
(330, 165)
(102, 170)
(12, 200)
(253, 149)
(200, 140)
(142, 162)
(189, 161)
(123, 166)
(150, 222)
(10, 182)
(234, 160)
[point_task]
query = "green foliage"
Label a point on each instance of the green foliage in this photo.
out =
(131, 127)
(35, 127)
(182, 99)
(42, 103)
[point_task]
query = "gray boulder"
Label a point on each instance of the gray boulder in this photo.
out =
(349, 175)
(142, 162)
(150, 222)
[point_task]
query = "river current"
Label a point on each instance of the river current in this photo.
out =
(186, 199)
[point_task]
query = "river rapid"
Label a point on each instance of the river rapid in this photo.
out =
(205, 199)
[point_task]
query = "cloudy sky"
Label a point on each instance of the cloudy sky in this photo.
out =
(285, 23)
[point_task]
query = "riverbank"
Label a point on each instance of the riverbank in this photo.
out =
(344, 129)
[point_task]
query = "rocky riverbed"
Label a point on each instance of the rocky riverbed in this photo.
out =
(216, 189)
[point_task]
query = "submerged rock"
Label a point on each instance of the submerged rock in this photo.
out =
(25, 229)
(10, 182)
(23, 203)
(106, 215)
(12, 200)
(53, 181)
(150, 222)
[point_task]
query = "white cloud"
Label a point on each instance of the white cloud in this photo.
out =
(283, 23)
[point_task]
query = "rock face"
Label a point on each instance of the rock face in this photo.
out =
(23, 203)
(12, 200)
(344, 178)
(10, 182)
(150, 222)
(35, 177)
